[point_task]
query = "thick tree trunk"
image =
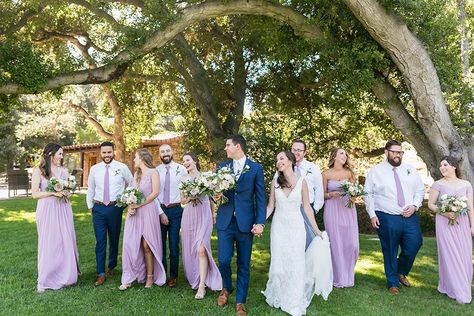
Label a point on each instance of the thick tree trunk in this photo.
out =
(413, 61)
(118, 136)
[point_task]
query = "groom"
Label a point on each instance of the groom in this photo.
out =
(238, 220)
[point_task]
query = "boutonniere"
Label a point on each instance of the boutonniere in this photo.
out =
(408, 172)
(177, 171)
(309, 171)
(116, 172)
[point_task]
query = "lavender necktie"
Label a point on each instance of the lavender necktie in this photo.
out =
(106, 199)
(166, 190)
(297, 171)
(400, 196)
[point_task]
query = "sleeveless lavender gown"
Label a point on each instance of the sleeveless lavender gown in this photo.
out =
(340, 223)
(58, 257)
(145, 223)
(454, 251)
(196, 229)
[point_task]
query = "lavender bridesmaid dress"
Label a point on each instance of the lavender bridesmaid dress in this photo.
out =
(454, 251)
(58, 257)
(196, 229)
(340, 223)
(145, 223)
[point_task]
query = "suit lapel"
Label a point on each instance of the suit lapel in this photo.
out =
(243, 173)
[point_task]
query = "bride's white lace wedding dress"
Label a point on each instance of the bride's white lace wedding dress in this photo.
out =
(295, 275)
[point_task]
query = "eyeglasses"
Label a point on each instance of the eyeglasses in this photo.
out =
(400, 153)
(297, 150)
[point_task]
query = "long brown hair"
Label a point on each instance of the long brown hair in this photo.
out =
(281, 180)
(347, 165)
(45, 163)
(147, 159)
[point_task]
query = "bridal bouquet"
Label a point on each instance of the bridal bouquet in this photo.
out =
(352, 190)
(130, 196)
(59, 185)
(449, 203)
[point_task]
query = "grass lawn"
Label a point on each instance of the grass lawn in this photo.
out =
(18, 242)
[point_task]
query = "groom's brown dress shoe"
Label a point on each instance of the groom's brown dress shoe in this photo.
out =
(240, 310)
(100, 280)
(403, 280)
(223, 298)
(394, 290)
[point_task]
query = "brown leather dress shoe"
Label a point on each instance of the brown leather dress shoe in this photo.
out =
(240, 310)
(394, 290)
(172, 282)
(100, 280)
(223, 298)
(403, 280)
(110, 272)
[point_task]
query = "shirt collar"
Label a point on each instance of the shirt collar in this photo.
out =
(241, 161)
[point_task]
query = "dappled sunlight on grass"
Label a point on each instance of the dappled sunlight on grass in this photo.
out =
(17, 216)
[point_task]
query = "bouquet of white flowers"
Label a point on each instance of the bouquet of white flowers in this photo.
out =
(449, 203)
(130, 196)
(352, 190)
(60, 185)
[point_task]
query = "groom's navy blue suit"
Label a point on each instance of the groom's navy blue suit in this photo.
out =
(235, 219)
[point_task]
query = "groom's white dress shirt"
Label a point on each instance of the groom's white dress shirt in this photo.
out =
(238, 165)
(119, 178)
(382, 191)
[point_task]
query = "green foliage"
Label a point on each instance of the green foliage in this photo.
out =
(21, 63)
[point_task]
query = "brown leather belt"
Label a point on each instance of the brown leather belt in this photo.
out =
(170, 205)
(101, 203)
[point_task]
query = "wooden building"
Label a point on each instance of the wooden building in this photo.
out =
(80, 158)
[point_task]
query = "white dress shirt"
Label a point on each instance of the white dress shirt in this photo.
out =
(176, 172)
(312, 173)
(120, 177)
(382, 191)
(239, 166)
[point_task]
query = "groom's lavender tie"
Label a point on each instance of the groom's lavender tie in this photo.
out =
(166, 190)
(106, 198)
(400, 196)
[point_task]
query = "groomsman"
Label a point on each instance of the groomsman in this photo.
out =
(170, 200)
(395, 191)
(312, 173)
(107, 179)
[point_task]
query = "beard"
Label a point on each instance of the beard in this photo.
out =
(108, 159)
(394, 162)
(166, 159)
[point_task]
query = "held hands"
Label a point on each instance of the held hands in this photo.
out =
(257, 230)
(217, 197)
(164, 219)
(407, 212)
(450, 215)
(335, 194)
(132, 209)
(375, 222)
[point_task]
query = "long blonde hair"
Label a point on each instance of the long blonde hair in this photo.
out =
(147, 159)
(347, 165)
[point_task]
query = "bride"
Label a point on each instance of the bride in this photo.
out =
(295, 274)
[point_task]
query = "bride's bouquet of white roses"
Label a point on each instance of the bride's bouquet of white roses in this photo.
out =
(62, 185)
(449, 203)
(210, 183)
(353, 191)
(129, 196)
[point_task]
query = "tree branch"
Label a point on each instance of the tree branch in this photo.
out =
(98, 12)
(189, 16)
(23, 20)
(98, 127)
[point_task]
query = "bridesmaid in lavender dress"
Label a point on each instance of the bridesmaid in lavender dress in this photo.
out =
(142, 248)
(340, 221)
(196, 228)
(454, 241)
(58, 258)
